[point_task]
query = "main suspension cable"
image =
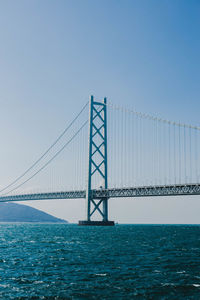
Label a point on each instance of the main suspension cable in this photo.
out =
(49, 161)
(46, 152)
(150, 117)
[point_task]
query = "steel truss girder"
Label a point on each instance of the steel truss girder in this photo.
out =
(44, 196)
(147, 191)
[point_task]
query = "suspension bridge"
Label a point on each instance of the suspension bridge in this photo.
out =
(125, 154)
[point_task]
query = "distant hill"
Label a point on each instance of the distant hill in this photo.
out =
(12, 212)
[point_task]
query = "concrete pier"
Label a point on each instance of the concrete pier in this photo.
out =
(96, 223)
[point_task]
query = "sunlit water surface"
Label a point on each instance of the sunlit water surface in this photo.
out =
(59, 261)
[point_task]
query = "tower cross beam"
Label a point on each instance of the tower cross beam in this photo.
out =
(97, 168)
(98, 114)
(96, 207)
(98, 131)
(98, 149)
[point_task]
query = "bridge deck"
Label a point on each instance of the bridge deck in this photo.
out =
(147, 191)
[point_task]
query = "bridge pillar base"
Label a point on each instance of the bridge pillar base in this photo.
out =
(96, 223)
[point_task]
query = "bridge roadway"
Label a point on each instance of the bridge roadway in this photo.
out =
(146, 191)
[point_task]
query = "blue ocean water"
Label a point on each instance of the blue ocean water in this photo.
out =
(59, 261)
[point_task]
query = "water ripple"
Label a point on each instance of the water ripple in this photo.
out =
(62, 261)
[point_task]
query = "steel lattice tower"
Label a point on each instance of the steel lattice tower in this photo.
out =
(97, 162)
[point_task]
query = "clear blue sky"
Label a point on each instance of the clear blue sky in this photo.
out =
(54, 54)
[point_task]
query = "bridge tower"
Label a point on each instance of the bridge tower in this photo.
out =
(97, 163)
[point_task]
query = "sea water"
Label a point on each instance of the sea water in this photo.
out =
(60, 261)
